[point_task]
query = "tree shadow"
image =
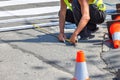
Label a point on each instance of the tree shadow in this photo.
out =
(46, 38)
(38, 39)
(52, 63)
(64, 78)
(96, 42)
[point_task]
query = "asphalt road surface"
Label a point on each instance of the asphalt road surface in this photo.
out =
(35, 54)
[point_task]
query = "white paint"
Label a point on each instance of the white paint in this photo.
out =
(5, 29)
(20, 2)
(28, 19)
(31, 11)
(22, 27)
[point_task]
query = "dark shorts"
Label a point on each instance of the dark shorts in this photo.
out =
(96, 16)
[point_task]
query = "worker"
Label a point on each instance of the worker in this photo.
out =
(86, 14)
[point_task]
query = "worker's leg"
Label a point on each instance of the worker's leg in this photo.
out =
(96, 17)
(85, 33)
(92, 27)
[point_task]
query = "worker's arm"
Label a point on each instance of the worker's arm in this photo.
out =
(62, 15)
(83, 21)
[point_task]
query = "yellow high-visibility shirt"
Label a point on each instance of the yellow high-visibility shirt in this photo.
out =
(99, 3)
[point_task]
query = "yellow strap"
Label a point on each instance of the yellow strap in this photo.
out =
(68, 4)
(101, 6)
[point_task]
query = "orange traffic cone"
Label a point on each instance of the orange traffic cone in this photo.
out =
(81, 72)
(115, 33)
(117, 18)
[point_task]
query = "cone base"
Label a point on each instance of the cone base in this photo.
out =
(116, 43)
(76, 79)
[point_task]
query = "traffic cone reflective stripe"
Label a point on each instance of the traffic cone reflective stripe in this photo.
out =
(81, 72)
(116, 39)
(115, 33)
(116, 36)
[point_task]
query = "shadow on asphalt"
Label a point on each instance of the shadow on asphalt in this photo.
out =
(51, 38)
(108, 43)
(64, 78)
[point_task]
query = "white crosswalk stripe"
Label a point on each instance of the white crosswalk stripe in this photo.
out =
(19, 2)
(31, 11)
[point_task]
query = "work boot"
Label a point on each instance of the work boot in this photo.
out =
(92, 27)
(85, 34)
(94, 30)
(87, 37)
